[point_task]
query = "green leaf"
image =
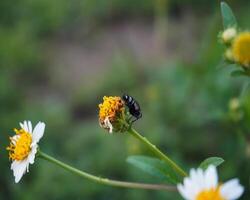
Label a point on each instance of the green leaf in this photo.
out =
(245, 90)
(228, 17)
(216, 161)
(237, 73)
(154, 167)
(240, 72)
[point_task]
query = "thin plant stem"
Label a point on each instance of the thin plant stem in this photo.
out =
(157, 152)
(105, 181)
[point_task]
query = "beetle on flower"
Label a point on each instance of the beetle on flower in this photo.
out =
(115, 114)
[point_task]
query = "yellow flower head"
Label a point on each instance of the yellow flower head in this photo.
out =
(110, 111)
(241, 49)
(111, 107)
(20, 145)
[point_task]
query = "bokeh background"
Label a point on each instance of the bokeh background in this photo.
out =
(59, 58)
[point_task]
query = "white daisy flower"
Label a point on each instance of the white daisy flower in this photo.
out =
(23, 147)
(204, 185)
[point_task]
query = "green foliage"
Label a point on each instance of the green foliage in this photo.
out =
(228, 17)
(155, 167)
(216, 161)
(237, 73)
(185, 104)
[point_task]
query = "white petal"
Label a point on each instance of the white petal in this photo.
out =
(200, 178)
(32, 154)
(38, 132)
(19, 169)
(25, 126)
(30, 126)
(21, 124)
(232, 189)
(197, 180)
(190, 187)
(184, 192)
(211, 177)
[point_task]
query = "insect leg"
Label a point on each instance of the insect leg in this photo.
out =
(130, 118)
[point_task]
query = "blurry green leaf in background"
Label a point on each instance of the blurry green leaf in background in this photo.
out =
(216, 161)
(228, 17)
(155, 167)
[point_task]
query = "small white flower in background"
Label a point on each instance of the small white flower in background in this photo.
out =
(204, 185)
(228, 35)
(23, 147)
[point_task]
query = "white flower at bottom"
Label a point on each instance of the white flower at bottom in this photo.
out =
(203, 185)
(23, 147)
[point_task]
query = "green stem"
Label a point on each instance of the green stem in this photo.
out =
(105, 181)
(157, 152)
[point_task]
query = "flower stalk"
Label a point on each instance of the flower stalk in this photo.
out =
(157, 152)
(105, 181)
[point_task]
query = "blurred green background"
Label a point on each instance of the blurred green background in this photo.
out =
(59, 58)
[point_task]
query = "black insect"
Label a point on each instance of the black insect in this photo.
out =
(133, 106)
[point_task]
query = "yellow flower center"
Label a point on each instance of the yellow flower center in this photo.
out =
(110, 108)
(241, 49)
(19, 147)
(212, 194)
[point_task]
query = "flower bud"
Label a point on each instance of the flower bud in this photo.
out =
(235, 111)
(112, 114)
(234, 104)
(228, 35)
(229, 55)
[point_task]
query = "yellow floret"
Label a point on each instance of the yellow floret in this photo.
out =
(110, 108)
(241, 49)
